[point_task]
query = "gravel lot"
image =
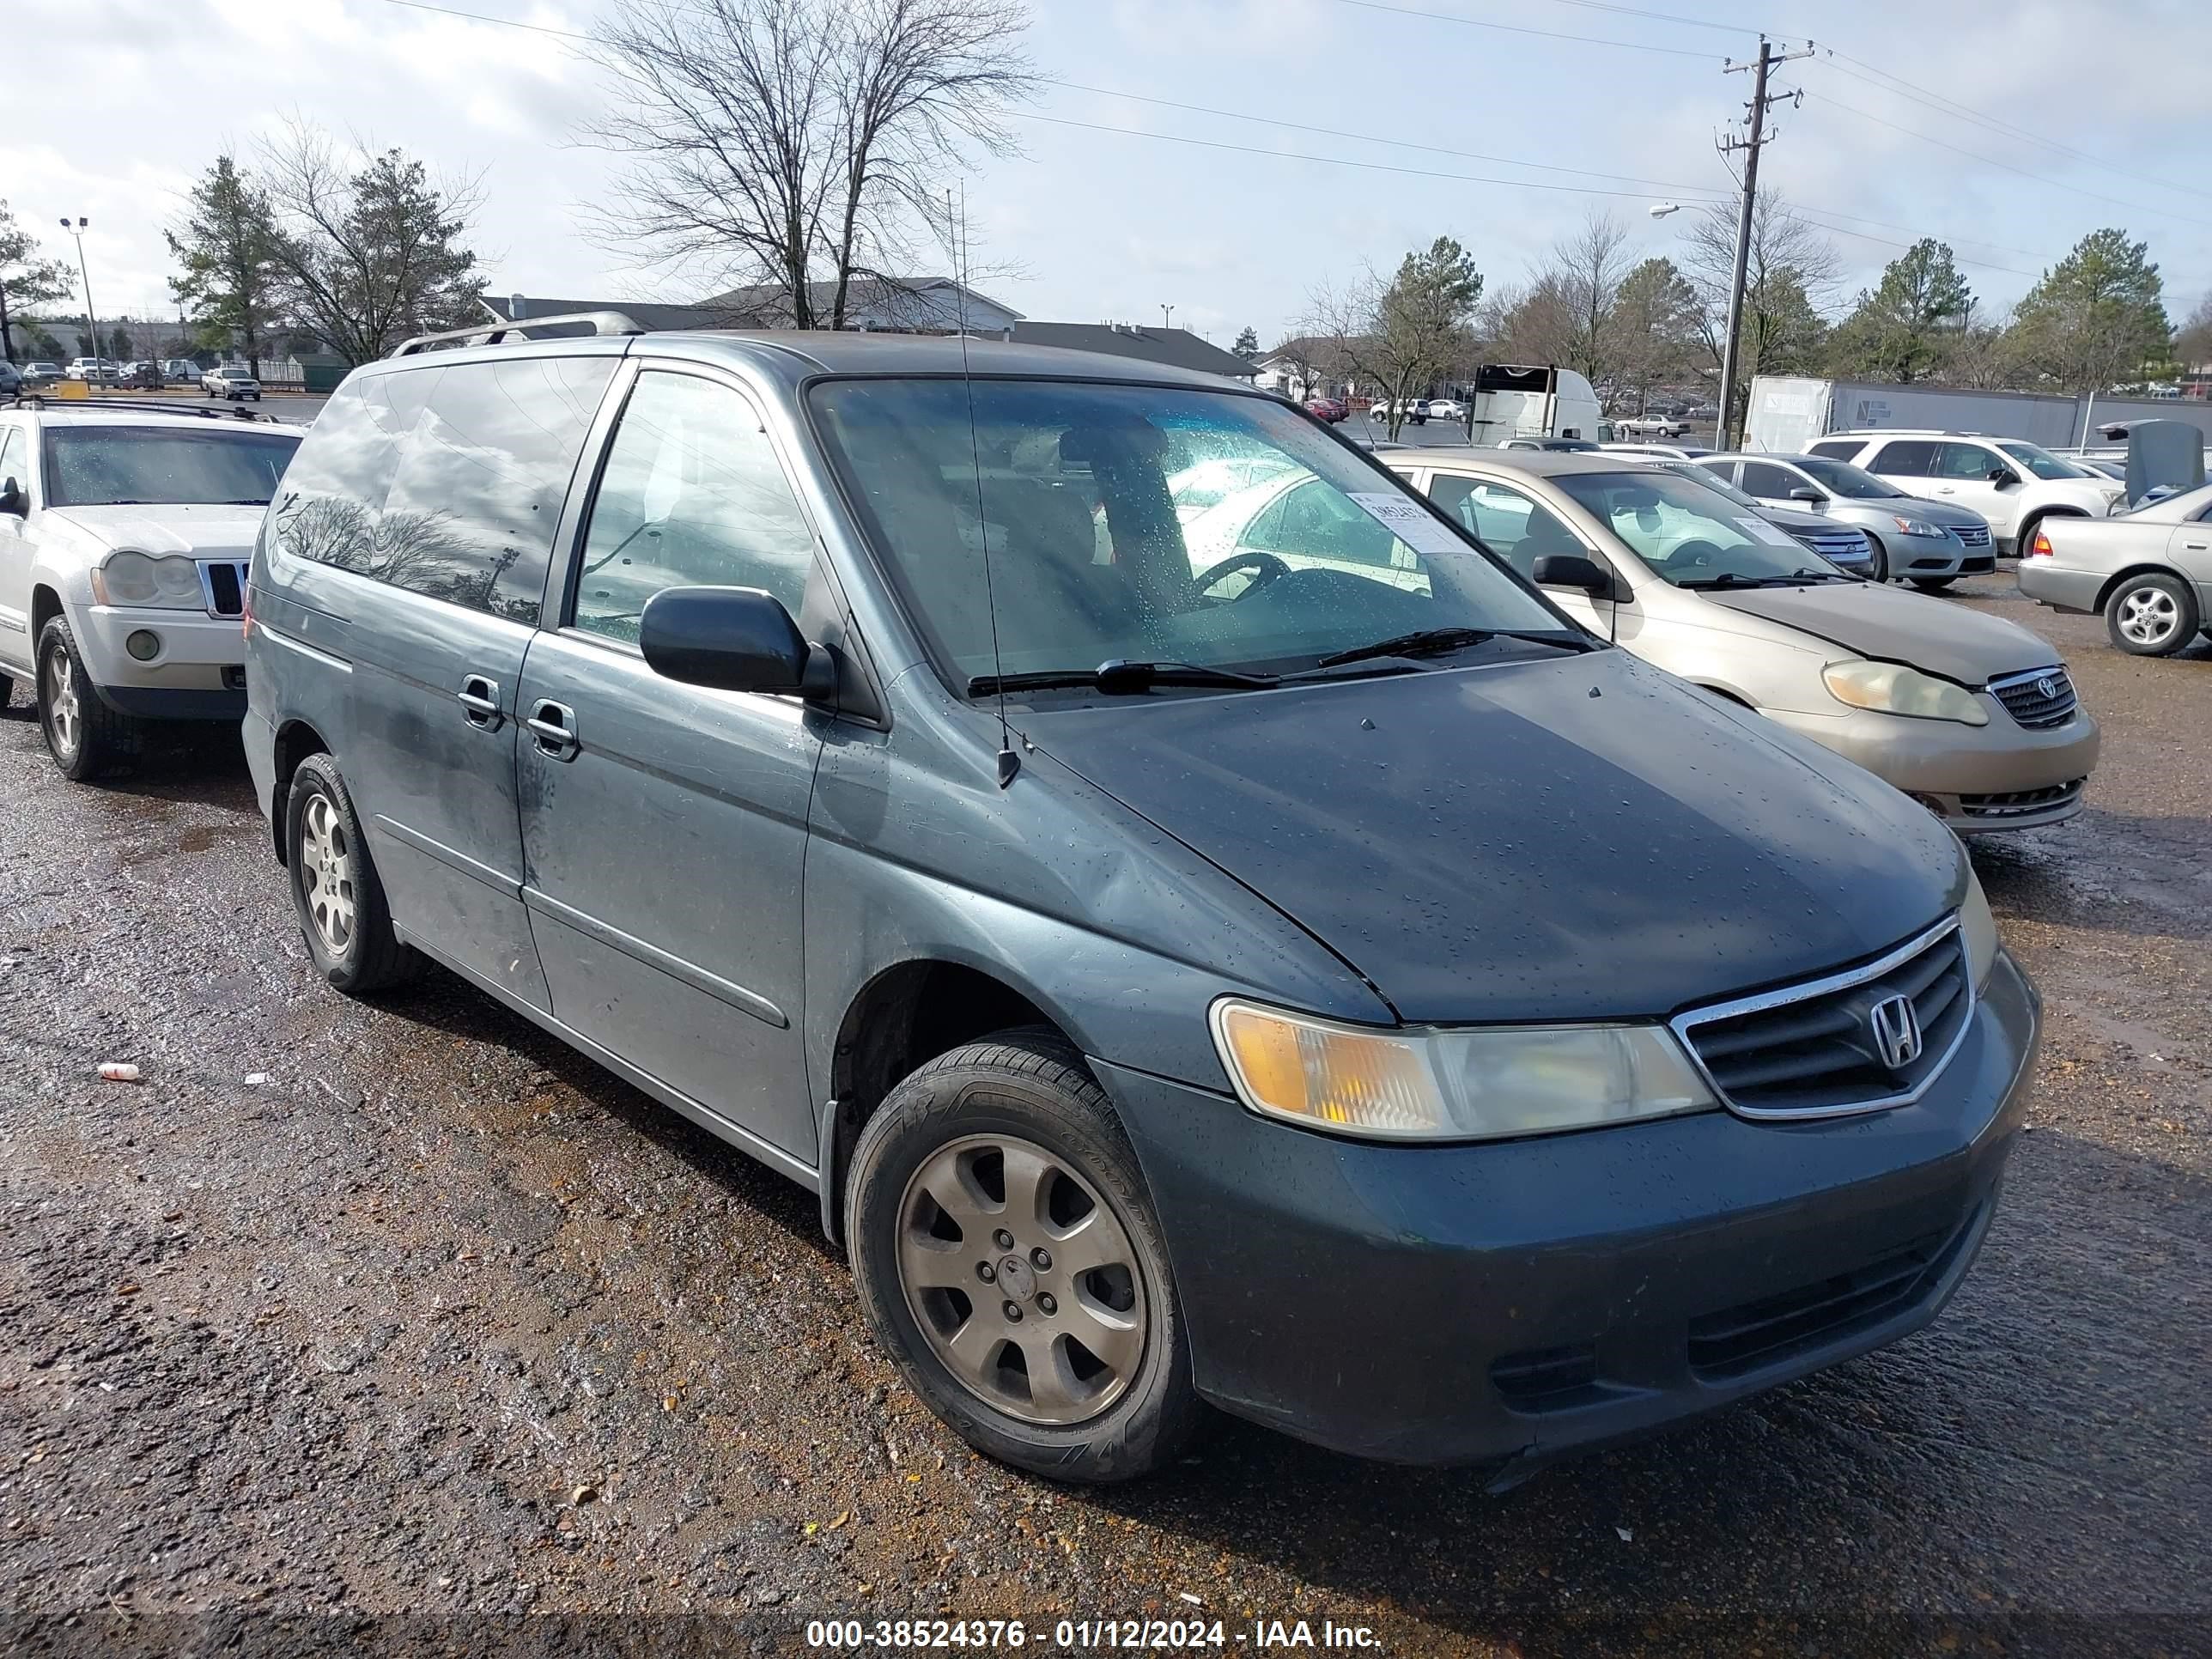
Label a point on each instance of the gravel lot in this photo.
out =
(354, 1328)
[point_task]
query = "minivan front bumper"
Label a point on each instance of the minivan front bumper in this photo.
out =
(1522, 1299)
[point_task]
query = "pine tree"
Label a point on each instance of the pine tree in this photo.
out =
(226, 249)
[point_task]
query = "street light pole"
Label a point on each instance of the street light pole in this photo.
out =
(91, 317)
(1167, 316)
(1755, 136)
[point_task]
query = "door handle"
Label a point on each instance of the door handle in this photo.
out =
(554, 726)
(480, 697)
(1946, 491)
(2196, 547)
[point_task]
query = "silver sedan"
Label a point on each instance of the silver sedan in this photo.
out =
(2149, 573)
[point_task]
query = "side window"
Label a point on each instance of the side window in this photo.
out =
(470, 515)
(1907, 457)
(13, 455)
(333, 491)
(1724, 471)
(692, 495)
(1768, 482)
(1966, 462)
(1515, 528)
(1836, 449)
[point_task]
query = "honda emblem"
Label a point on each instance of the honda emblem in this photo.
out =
(1895, 1024)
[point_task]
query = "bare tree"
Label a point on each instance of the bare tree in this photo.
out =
(1579, 281)
(1790, 281)
(775, 143)
(368, 247)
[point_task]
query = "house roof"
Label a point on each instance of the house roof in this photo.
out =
(762, 304)
(1176, 348)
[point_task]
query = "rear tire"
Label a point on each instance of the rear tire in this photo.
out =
(335, 890)
(87, 738)
(2152, 614)
(1089, 1379)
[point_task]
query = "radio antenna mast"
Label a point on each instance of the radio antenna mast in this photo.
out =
(957, 230)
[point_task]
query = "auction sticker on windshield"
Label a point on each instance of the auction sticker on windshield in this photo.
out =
(1767, 532)
(1409, 521)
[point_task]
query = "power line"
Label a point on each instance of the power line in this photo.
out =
(1943, 105)
(1661, 16)
(1990, 160)
(479, 17)
(1517, 28)
(1372, 138)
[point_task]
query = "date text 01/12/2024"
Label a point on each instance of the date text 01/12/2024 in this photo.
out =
(1083, 1635)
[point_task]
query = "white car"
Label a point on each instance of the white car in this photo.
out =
(2012, 483)
(124, 539)
(1651, 426)
(234, 384)
(1415, 409)
(1447, 408)
(180, 371)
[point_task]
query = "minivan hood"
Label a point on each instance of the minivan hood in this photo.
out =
(1892, 625)
(1570, 838)
(170, 527)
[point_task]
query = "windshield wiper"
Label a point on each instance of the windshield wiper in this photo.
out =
(1730, 579)
(1436, 641)
(1117, 676)
(1813, 576)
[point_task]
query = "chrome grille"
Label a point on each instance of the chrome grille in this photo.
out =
(223, 583)
(1976, 535)
(1816, 1050)
(2039, 699)
(1843, 546)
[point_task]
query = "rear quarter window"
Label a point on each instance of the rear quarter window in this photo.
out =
(1907, 457)
(446, 481)
(1837, 449)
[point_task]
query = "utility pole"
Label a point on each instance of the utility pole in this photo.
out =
(1755, 134)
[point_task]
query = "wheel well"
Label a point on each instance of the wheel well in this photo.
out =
(295, 741)
(46, 605)
(1726, 695)
(2104, 593)
(2026, 533)
(904, 1016)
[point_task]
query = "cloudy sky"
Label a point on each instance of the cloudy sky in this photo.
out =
(1916, 121)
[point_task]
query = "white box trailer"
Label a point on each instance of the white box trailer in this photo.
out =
(1531, 401)
(1789, 411)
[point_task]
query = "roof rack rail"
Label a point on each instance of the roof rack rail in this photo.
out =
(135, 405)
(602, 322)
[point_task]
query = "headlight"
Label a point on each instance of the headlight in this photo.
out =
(1474, 1084)
(1894, 689)
(1980, 928)
(1915, 526)
(129, 578)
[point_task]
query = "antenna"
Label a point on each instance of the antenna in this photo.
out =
(1009, 761)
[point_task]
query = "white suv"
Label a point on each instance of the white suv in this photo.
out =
(2012, 483)
(124, 538)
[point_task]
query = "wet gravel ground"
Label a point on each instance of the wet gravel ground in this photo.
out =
(357, 1328)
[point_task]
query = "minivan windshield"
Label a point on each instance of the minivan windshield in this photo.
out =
(2042, 463)
(1690, 535)
(1108, 543)
(117, 465)
(1842, 479)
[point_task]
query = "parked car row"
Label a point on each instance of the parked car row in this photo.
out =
(758, 715)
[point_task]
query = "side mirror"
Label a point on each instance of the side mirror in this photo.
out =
(2002, 476)
(734, 639)
(1808, 494)
(13, 500)
(1574, 570)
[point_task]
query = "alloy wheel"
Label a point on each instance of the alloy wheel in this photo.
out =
(2148, 616)
(326, 874)
(64, 717)
(1022, 1278)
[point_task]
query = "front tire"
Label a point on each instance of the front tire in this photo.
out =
(1880, 570)
(1005, 1251)
(2153, 614)
(335, 890)
(1933, 584)
(86, 737)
